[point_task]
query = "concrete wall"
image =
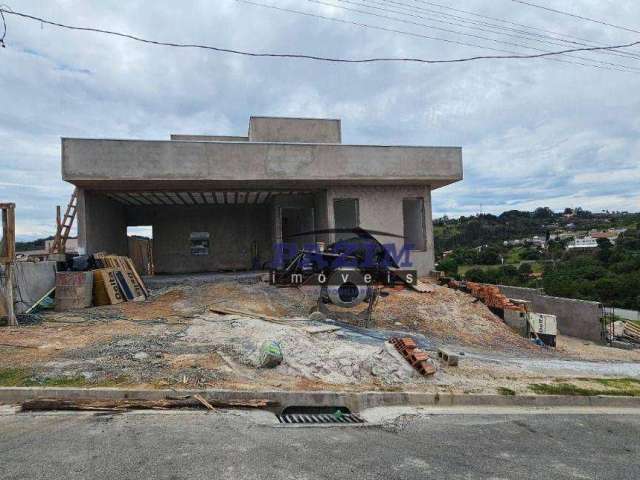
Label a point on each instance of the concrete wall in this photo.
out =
(232, 231)
(293, 130)
(380, 209)
(32, 280)
(102, 224)
(576, 318)
(122, 164)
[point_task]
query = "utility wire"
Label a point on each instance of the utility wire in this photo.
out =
(413, 34)
(374, 27)
(311, 57)
(446, 7)
(456, 32)
(503, 30)
(569, 14)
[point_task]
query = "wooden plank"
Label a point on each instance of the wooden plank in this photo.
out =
(203, 401)
(46, 404)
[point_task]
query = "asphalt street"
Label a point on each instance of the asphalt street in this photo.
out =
(241, 446)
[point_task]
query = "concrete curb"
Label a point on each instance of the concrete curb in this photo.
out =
(355, 401)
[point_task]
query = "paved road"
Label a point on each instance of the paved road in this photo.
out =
(236, 446)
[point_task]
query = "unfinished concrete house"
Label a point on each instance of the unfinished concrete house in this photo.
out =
(222, 202)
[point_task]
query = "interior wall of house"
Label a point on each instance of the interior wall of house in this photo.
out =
(205, 238)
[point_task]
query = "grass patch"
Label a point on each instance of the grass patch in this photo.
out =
(22, 377)
(613, 386)
(506, 391)
(14, 377)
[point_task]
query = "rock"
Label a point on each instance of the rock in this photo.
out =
(141, 356)
(345, 362)
(317, 316)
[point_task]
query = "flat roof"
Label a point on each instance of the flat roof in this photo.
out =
(97, 163)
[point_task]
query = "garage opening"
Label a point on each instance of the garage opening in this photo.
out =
(414, 227)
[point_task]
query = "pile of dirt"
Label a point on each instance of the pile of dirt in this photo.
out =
(448, 316)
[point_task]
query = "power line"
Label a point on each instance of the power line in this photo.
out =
(310, 57)
(517, 32)
(501, 20)
(351, 2)
(374, 27)
(569, 14)
(455, 32)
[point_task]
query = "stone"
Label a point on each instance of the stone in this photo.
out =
(141, 356)
(317, 316)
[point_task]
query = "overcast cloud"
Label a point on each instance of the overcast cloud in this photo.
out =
(534, 132)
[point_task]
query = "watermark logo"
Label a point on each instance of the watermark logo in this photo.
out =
(360, 260)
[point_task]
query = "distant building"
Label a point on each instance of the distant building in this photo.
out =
(612, 234)
(70, 247)
(584, 242)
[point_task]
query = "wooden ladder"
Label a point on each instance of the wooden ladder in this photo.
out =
(64, 227)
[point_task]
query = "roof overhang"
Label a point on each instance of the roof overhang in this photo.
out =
(171, 165)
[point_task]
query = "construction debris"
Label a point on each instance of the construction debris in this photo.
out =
(624, 335)
(116, 281)
(322, 329)
(417, 358)
(448, 357)
(490, 295)
(270, 355)
(203, 401)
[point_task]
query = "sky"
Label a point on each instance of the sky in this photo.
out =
(534, 132)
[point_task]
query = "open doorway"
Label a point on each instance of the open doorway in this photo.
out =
(346, 214)
(140, 244)
(296, 220)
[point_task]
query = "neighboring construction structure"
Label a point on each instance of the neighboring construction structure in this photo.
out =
(222, 202)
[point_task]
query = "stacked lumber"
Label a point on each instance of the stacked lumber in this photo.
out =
(631, 332)
(117, 280)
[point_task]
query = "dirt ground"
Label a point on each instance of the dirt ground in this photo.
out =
(174, 339)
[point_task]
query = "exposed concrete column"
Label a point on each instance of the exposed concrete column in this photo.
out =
(102, 224)
(81, 223)
(428, 223)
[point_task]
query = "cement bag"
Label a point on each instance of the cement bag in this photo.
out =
(270, 355)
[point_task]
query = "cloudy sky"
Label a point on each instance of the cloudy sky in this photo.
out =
(535, 132)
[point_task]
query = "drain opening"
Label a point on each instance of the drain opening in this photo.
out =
(319, 415)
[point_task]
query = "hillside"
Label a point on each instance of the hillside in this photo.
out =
(530, 249)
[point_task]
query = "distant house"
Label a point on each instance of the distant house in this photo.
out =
(39, 255)
(584, 242)
(612, 234)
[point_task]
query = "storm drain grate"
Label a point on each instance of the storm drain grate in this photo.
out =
(320, 418)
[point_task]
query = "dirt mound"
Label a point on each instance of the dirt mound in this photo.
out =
(449, 316)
